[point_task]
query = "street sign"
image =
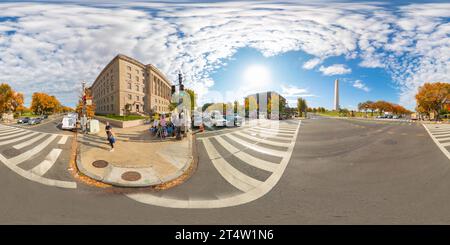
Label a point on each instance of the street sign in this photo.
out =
(89, 102)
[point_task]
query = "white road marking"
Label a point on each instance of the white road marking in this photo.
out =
(255, 147)
(63, 139)
(436, 141)
(28, 154)
(14, 135)
(29, 142)
(247, 158)
(10, 132)
(48, 162)
(443, 139)
(227, 201)
(36, 178)
(228, 172)
(276, 130)
(264, 141)
(278, 134)
(442, 135)
(17, 139)
(3, 130)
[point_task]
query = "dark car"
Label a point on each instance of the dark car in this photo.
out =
(44, 117)
(35, 120)
(23, 120)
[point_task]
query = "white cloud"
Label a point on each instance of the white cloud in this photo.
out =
(336, 69)
(310, 64)
(360, 85)
(53, 47)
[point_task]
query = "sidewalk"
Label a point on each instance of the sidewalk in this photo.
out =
(138, 160)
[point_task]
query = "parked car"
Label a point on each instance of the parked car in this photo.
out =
(217, 119)
(44, 117)
(23, 120)
(34, 120)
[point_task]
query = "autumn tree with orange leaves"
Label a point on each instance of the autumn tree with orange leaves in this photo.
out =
(90, 109)
(42, 103)
(431, 97)
(10, 101)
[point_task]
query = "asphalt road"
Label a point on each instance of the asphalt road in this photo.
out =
(340, 172)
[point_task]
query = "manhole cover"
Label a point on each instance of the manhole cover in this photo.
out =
(100, 164)
(131, 176)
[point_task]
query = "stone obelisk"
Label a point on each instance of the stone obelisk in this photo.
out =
(336, 95)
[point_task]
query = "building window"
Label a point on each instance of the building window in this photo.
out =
(129, 85)
(112, 107)
(107, 107)
(137, 88)
(137, 71)
(129, 68)
(137, 97)
(129, 96)
(137, 78)
(129, 75)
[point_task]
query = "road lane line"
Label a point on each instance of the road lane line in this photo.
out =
(263, 141)
(29, 142)
(17, 139)
(233, 176)
(47, 163)
(63, 140)
(36, 178)
(247, 158)
(28, 154)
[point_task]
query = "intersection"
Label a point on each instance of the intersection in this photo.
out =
(339, 171)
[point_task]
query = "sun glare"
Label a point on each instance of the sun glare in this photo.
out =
(256, 76)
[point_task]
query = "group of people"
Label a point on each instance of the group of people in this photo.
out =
(175, 126)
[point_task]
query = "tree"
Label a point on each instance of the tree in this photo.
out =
(193, 98)
(431, 97)
(42, 103)
(205, 106)
(301, 106)
(6, 97)
(17, 103)
(90, 109)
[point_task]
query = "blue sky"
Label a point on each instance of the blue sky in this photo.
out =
(377, 49)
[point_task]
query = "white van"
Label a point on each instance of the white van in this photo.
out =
(69, 122)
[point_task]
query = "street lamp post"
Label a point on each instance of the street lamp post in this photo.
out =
(83, 110)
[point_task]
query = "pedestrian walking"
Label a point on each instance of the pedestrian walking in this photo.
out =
(111, 139)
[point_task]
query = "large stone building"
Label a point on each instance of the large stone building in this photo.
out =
(126, 84)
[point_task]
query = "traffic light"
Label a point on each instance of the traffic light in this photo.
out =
(181, 87)
(173, 89)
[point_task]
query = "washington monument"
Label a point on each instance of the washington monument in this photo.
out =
(336, 95)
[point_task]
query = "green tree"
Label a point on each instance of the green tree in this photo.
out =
(301, 106)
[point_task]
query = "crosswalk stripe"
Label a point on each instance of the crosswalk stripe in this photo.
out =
(29, 142)
(13, 131)
(63, 139)
(264, 141)
(270, 136)
(14, 135)
(17, 139)
(247, 158)
(47, 163)
(441, 135)
(271, 133)
(28, 154)
(445, 144)
(276, 130)
(233, 176)
(8, 129)
(443, 139)
(36, 178)
(255, 147)
(440, 130)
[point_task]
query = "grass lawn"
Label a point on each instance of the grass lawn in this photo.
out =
(28, 114)
(124, 118)
(357, 114)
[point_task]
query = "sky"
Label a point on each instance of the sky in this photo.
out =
(377, 50)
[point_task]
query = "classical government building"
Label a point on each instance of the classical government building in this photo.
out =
(258, 105)
(126, 84)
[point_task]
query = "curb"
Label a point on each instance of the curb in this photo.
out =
(142, 183)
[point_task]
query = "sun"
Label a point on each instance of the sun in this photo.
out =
(256, 76)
